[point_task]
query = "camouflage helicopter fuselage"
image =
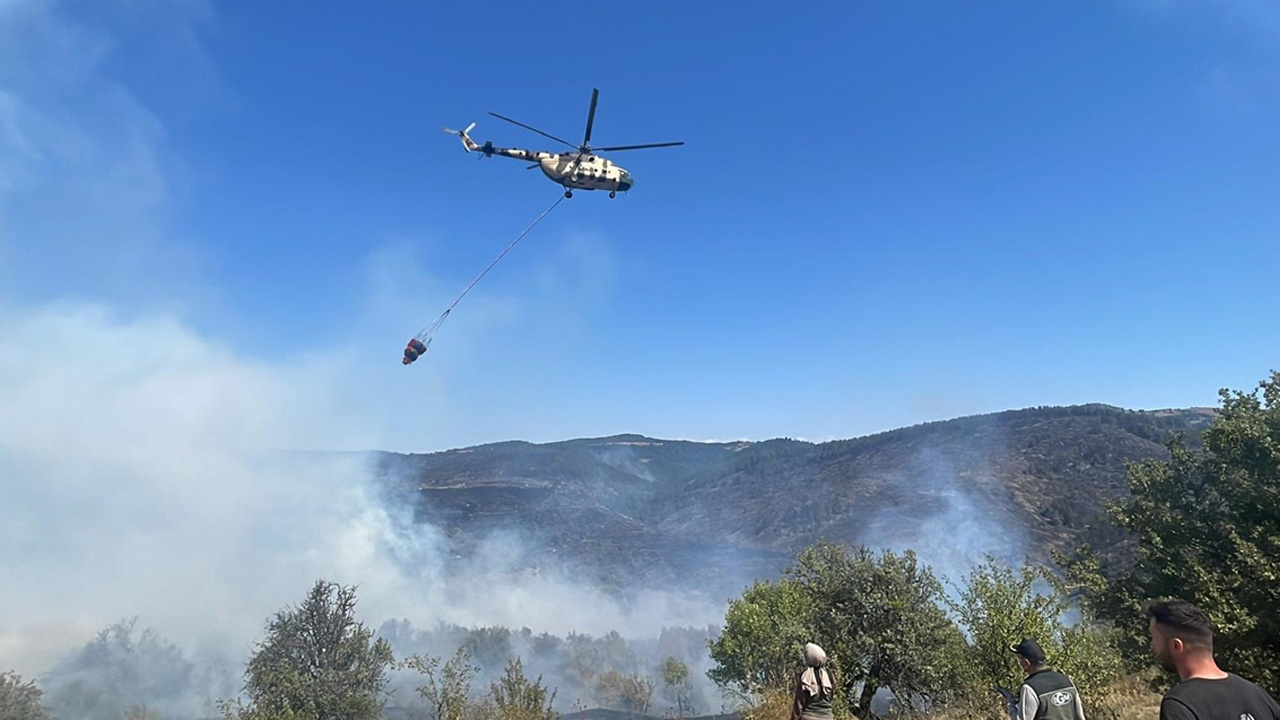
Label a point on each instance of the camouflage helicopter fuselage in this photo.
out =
(579, 171)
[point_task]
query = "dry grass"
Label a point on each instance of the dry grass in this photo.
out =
(776, 705)
(1128, 699)
(773, 706)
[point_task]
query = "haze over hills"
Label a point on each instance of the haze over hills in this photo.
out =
(714, 515)
(612, 554)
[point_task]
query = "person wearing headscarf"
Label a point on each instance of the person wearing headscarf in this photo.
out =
(813, 687)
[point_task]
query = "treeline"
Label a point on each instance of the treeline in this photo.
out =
(609, 671)
(1151, 425)
(318, 662)
(128, 672)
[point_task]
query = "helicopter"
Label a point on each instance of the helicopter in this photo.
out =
(581, 169)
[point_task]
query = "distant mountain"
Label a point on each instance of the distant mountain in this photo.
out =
(710, 514)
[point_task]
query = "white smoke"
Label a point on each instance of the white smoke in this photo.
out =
(137, 482)
(140, 472)
(949, 522)
(143, 478)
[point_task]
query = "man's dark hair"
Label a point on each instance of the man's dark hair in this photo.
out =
(1187, 621)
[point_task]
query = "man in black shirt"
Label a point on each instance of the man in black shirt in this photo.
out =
(1182, 640)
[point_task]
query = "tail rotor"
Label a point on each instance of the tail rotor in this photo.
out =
(467, 143)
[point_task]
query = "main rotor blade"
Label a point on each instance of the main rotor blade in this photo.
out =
(530, 127)
(591, 116)
(616, 148)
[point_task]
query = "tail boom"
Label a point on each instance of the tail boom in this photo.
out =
(489, 150)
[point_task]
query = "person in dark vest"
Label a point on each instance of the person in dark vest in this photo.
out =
(1045, 694)
(813, 687)
(1182, 641)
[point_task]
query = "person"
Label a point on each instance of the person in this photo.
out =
(814, 687)
(413, 350)
(1182, 641)
(1045, 694)
(1010, 702)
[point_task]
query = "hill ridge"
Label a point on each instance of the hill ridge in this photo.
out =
(634, 508)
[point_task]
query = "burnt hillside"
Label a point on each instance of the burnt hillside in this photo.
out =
(672, 511)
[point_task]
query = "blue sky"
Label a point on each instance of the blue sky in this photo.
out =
(885, 213)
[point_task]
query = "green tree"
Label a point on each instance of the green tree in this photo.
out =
(882, 622)
(1087, 652)
(880, 619)
(764, 634)
(20, 700)
(445, 689)
(119, 668)
(998, 605)
(675, 679)
(317, 662)
(631, 692)
(1207, 529)
(516, 698)
(488, 647)
(237, 711)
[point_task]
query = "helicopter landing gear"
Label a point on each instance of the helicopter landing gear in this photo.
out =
(613, 194)
(568, 193)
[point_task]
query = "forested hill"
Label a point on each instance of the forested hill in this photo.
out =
(636, 508)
